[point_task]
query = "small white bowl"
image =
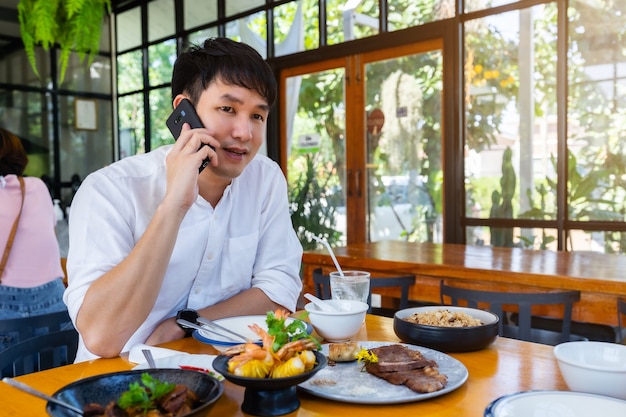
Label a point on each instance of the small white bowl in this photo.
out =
(340, 325)
(593, 367)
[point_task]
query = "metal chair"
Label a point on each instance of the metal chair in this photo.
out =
(17, 330)
(321, 282)
(39, 353)
(524, 302)
(621, 323)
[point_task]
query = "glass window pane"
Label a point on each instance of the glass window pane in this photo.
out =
(161, 62)
(131, 125)
(27, 115)
(197, 38)
(473, 5)
(236, 7)
(404, 15)
(526, 238)
(199, 12)
(290, 22)
(160, 109)
(596, 241)
(404, 138)
(316, 165)
(345, 24)
(94, 78)
(129, 73)
(251, 30)
(128, 28)
(161, 23)
(511, 138)
(15, 68)
(105, 35)
(85, 151)
(597, 111)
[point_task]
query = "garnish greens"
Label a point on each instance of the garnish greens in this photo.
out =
(284, 334)
(145, 396)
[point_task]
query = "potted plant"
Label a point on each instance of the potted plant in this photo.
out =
(73, 25)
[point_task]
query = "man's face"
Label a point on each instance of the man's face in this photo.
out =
(237, 118)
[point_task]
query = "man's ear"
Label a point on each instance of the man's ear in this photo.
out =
(178, 99)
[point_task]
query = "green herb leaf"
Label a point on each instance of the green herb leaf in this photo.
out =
(146, 396)
(284, 334)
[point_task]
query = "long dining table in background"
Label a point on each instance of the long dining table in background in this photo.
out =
(600, 278)
(505, 367)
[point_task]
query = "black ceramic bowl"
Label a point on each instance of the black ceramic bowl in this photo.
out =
(102, 389)
(447, 339)
(269, 396)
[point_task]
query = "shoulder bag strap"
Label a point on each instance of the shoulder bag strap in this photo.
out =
(7, 249)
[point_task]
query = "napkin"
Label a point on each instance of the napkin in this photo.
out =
(135, 354)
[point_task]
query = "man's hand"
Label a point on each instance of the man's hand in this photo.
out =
(183, 162)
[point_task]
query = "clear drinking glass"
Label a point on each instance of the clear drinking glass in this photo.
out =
(353, 285)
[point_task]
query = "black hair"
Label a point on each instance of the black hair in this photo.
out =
(233, 62)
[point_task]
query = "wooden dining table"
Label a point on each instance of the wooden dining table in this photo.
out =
(507, 366)
(600, 278)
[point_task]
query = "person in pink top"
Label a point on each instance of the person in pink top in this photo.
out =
(31, 281)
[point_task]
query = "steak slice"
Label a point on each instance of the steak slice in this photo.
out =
(424, 380)
(400, 365)
(394, 358)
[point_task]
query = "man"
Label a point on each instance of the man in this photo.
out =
(150, 236)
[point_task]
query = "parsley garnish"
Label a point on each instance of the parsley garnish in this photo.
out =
(284, 334)
(145, 396)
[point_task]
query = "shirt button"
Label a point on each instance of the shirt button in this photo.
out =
(209, 256)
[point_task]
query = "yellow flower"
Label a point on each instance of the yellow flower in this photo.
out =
(366, 356)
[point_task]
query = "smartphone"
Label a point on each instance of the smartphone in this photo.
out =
(186, 113)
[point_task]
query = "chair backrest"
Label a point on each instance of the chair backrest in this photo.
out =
(39, 353)
(621, 319)
(321, 282)
(494, 302)
(26, 327)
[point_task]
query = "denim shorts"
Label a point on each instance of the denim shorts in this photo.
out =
(25, 302)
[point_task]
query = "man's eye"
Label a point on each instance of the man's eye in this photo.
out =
(259, 117)
(227, 109)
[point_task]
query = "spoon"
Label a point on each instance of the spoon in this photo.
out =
(23, 387)
(320, 303)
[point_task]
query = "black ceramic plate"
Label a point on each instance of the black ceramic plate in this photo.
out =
(102, 389)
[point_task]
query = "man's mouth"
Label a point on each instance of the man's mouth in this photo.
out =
(238, 152)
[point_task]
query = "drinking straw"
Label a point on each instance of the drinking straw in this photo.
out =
(332, 255)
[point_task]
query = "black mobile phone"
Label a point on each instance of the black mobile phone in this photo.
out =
(185, 113)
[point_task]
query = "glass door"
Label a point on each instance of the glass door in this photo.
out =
(363, 146)
(403, 119)
(314, 125)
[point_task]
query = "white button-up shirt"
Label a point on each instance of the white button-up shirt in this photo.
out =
(246, 241)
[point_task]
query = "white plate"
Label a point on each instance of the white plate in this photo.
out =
(238, 324)
(349, 384)
(199, 362)
(555, 404)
